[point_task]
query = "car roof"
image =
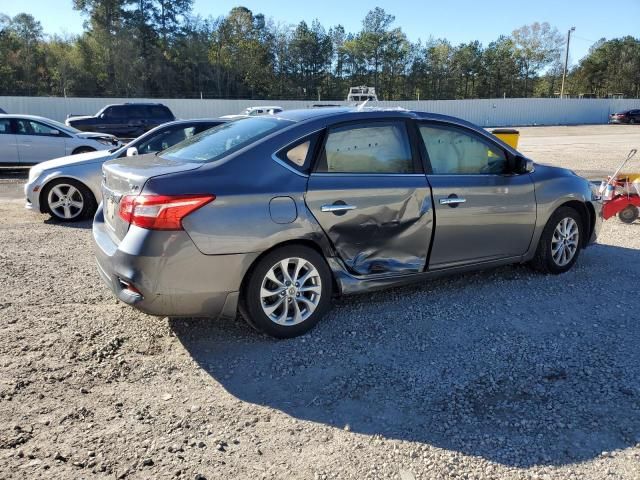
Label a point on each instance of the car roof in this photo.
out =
(25, 117)
(262, 106)
(136, 103)
(194, 120)
(345, 113)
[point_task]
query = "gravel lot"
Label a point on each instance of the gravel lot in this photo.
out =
(504, 374)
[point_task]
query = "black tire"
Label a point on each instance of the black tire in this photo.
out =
(89, 204)
(629, 214)
(83, 150)
(251, 302)
(543, 261)
(632, 121)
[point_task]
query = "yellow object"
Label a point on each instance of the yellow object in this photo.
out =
(628, 177)
(508, 136)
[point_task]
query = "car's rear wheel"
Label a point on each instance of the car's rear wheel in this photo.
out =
(68, 200)
(629, 214)
(560, 243)
(83, 150)
(287, 292)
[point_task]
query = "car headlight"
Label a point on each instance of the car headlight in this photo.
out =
(107, 141)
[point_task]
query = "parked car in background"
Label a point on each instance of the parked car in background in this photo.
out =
(627, 116)
(276, 214)
(126, 120)
(27, 140)
(68, 188)
(255, 112)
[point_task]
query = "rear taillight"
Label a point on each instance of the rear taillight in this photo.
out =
(160, 212)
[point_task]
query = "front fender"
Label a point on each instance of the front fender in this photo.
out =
(555, 187)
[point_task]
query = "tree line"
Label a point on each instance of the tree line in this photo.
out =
(158, 48)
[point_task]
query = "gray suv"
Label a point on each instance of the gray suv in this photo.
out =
(274, 215)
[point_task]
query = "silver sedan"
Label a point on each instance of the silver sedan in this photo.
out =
(27, 139)
(67, 188)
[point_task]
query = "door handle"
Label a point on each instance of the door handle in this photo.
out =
(452, 201)
(337, 208)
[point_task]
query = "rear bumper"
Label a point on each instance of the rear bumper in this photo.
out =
(170, 275)
(618, 120)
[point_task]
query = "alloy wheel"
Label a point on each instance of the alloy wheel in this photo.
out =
(65, 201)
(290, 291)
(565, 241)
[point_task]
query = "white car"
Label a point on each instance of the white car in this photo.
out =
(67, 188)
(255, 111)
(27, 140)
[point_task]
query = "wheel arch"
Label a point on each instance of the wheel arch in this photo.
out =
(587, 214)
(41, 197)
(306, 242)
(85, 148)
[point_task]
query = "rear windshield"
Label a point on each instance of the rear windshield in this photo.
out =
(218, 142)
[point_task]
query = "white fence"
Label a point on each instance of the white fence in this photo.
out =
(488, 113)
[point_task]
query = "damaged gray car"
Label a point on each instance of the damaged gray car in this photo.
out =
(273, 216)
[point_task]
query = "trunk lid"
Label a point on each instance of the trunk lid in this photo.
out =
(127, 176)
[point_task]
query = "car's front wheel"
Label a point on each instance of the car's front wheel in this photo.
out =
(287, 292)
(560, 243)
(68, 200)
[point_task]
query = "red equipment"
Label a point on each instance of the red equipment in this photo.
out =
(621, 194)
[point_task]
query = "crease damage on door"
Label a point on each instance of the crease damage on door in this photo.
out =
(386, 238)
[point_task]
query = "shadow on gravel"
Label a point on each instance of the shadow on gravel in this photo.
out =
(82, 225)
(512, 366)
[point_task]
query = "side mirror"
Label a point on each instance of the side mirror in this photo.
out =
(132, 152)
(54, 132)
(523, 164)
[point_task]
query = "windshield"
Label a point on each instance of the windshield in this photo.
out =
(218, 142)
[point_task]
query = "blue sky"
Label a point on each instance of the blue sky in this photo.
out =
(457, 20)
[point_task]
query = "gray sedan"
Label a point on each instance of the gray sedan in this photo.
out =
(67, 188)
(274, 215)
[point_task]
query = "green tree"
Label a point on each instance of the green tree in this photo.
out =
(104, 28)
(537, 46)
(501, 69)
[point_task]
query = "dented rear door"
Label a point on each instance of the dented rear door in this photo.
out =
(371, 198)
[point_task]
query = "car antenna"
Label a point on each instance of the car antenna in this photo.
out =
(361, 106)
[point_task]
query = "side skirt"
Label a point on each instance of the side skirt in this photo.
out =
(351, 284)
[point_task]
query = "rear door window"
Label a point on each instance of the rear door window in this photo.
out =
(159, 111)
(375, 147)
(137, 111)
(5, 126)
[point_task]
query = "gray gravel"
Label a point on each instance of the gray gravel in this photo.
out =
(505, 374)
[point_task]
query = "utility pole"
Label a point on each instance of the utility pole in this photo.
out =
(566, 61)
